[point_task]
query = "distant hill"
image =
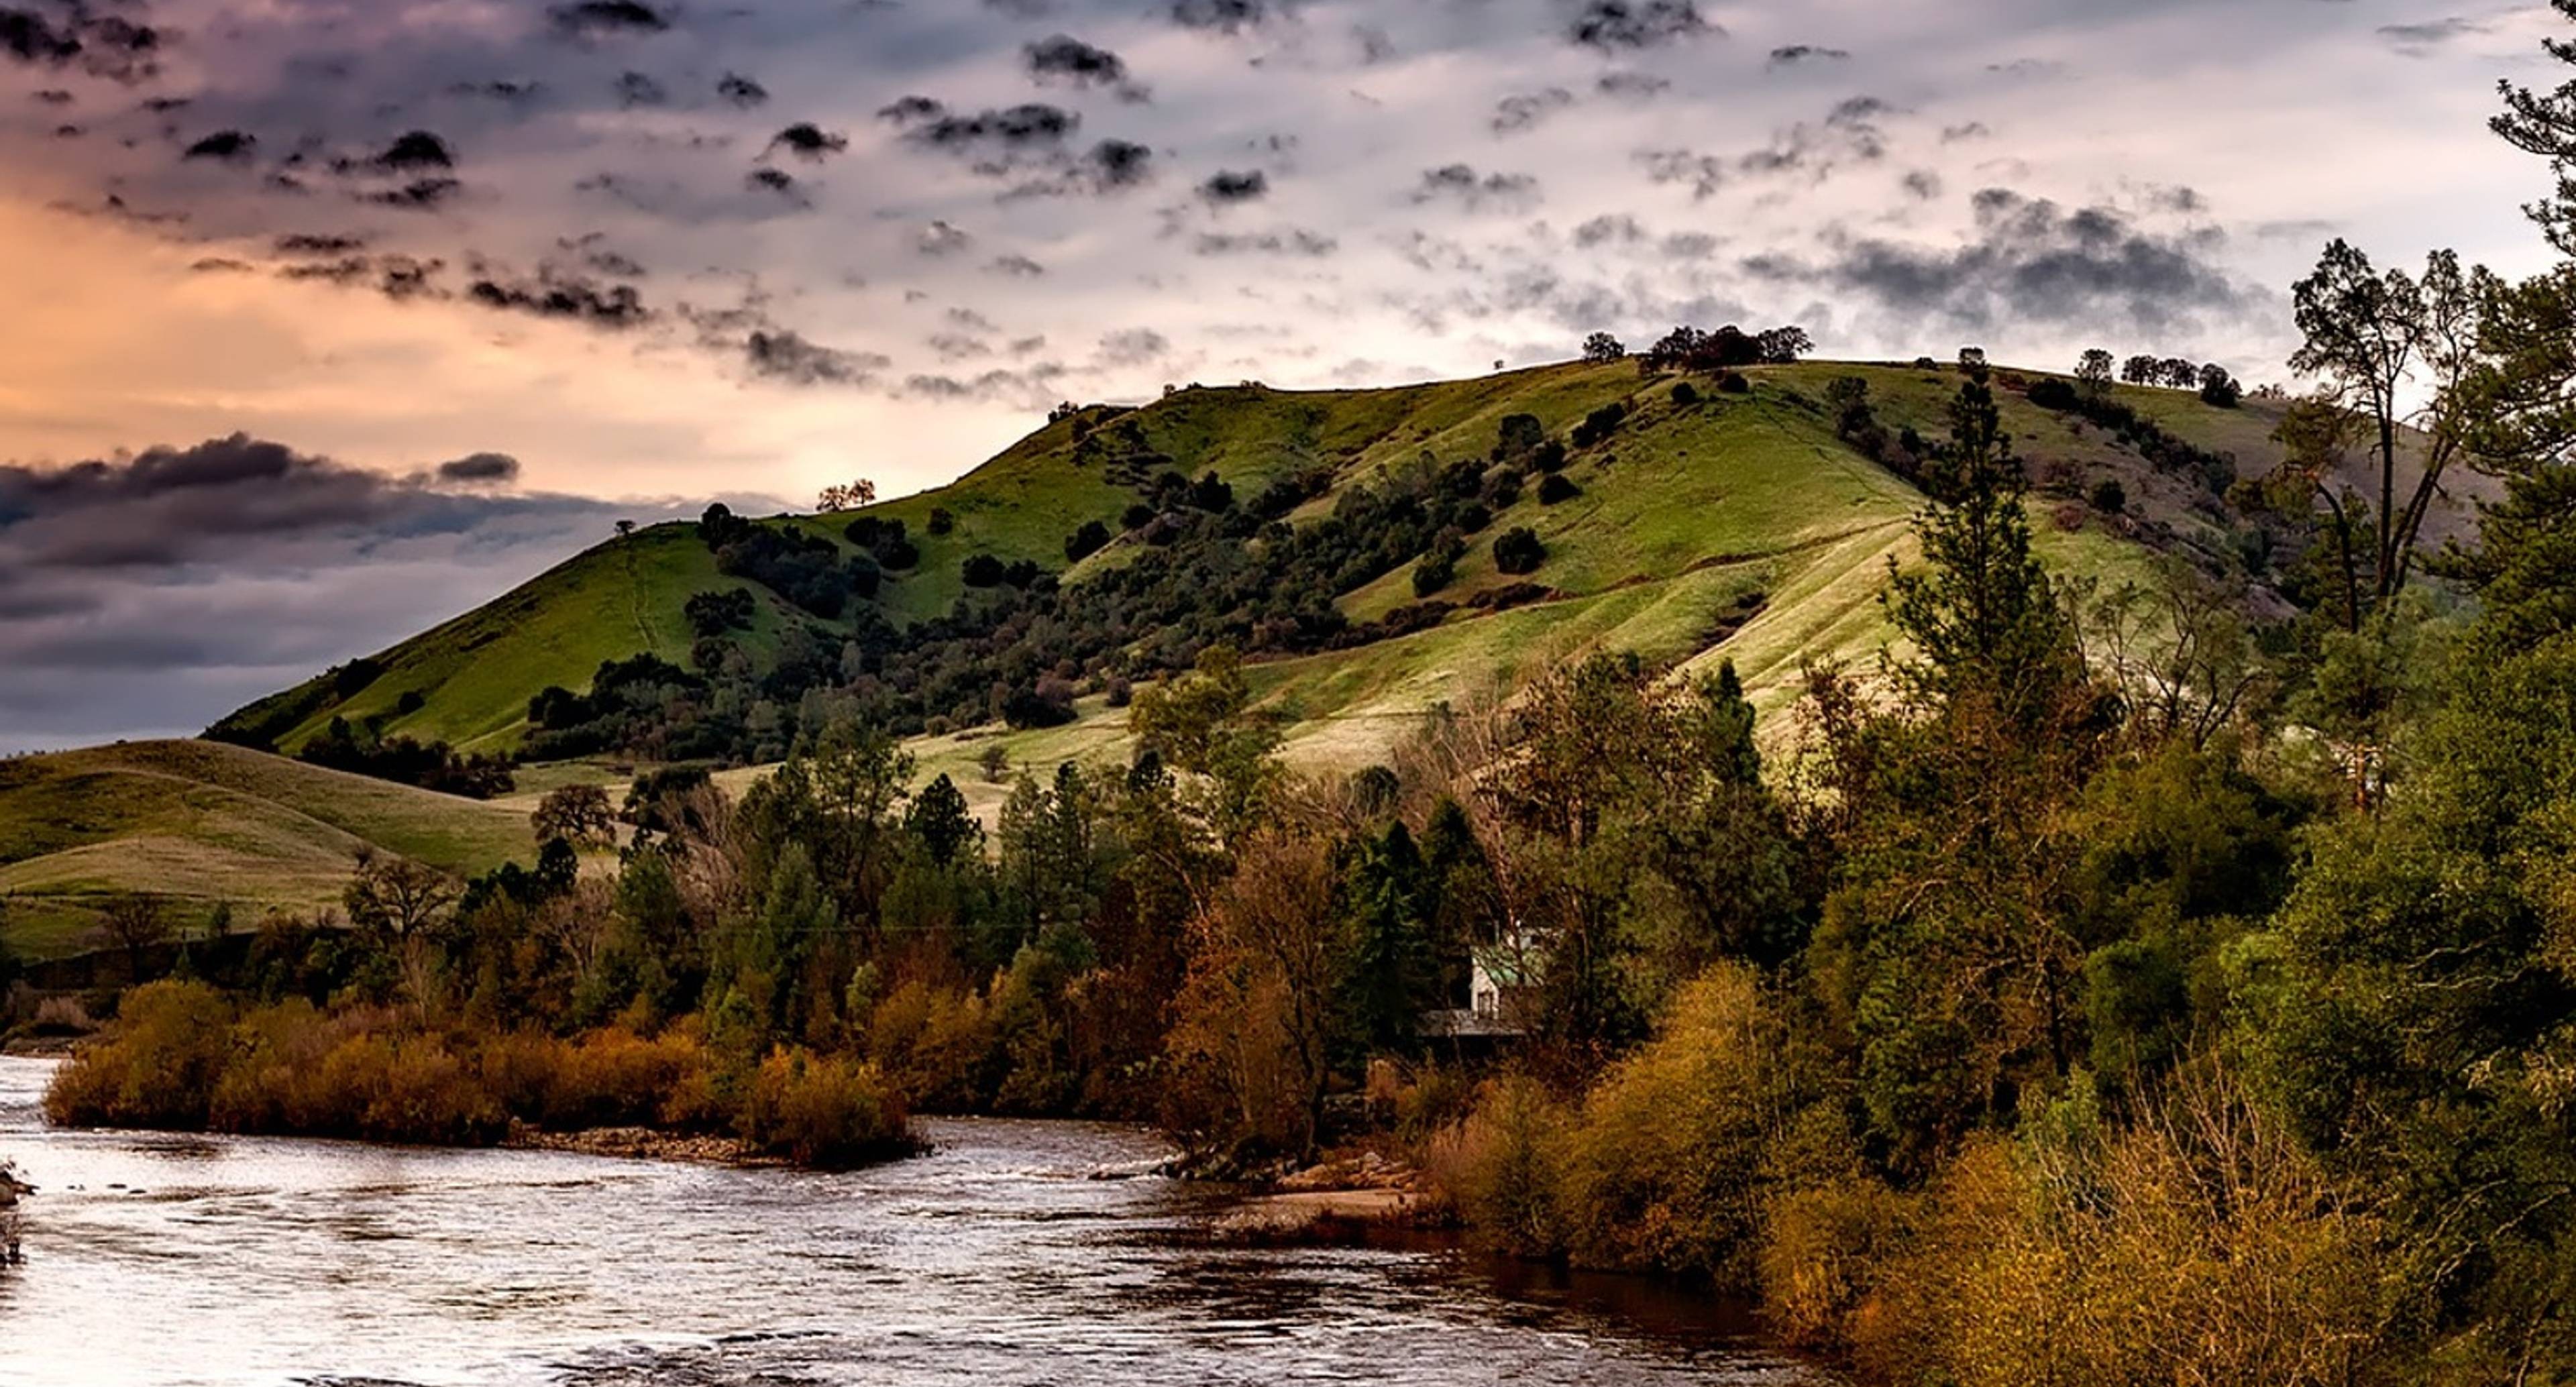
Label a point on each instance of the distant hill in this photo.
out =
(201, 822)
(1737, 520)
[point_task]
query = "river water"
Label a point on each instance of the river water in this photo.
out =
(1016, 1253)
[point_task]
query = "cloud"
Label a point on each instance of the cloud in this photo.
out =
(1015, 267)
(1228, 186)
(1133, 346)
(807, 140)
(1610, 25)
(1064, 58)
(741, 91)
(480, 469)
(559, 293)
(1312, 245)
(2422, 39)
(607, 18)
(1797, 54)
(1462, 185)
(1030, 125)
(1223, 16)
(941, 239)
(224, 146)
(778, 354)
(149, 594)
(2033, 261)
(1514, 114)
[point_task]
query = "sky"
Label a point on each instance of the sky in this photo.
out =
(333, 318)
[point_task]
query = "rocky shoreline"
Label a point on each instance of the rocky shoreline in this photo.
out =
(639, 1144)
(12, 1189)
(1339, 1199)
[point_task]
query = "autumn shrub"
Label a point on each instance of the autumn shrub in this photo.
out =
(934, 1044)
(607, 1078)
(158, 1067)
(1497, 1169)
(1665, 1166)
(827, 1111)
(2196, 1244)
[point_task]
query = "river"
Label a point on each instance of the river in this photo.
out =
(1016, 1253)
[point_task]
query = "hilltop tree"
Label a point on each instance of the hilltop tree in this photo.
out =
(2142, 369)
(841, 496)
(2093, 373)
(1782, 346)
(1601, 348)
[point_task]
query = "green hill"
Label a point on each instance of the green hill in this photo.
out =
(201, 822)
(1742, 517)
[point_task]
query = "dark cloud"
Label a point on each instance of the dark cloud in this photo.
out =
(414, 150)
(1461, 184)
(781, 355)
(741, 91)
(1313, 245)
(559, 293)
(1924, 184)
(1224, 16)
(607, 18)
(1632, 86)
(904, 110)
(420, 194)
(1626, 24)
(1514, 114)
(224, 146)
(1015, 267)
(397, 277)
(1229, 186)
(776, 181)
(2030, 260)
(1031, 125)
(1064, 58)
(2421, 39)
(480, 469)
(147, 595)
(807, 140)
(1794, 54)
(75, 35)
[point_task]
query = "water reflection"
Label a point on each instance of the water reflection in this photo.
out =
(1003, 1258)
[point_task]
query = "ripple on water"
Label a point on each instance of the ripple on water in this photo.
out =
(1003, 1258)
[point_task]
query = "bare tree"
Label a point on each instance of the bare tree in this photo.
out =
(579, 814)
(136, 922)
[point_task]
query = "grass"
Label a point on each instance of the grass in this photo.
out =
(202, 823)
(1686, 513)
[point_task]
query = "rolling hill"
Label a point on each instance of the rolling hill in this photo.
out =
(201, 822)
(1685, 513)
(1734, 526)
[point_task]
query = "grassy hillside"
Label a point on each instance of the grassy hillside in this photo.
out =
(201, 822)
(1684, 514)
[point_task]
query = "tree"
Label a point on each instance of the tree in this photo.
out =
(394, 897)
(2372, 336)
(1254, 1027)
(136, 922)
(940, 819)
(1392, 977)
(1782, 346)
(2178, 372)
(2413, 1021)
(2141, 370)
(1518, 550)
(2219, 388)
(2093, 373)
(1972, 363)
(1090, 539)
(1601, 348)
(841, 496)
(578, 814)
(1981, 612)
